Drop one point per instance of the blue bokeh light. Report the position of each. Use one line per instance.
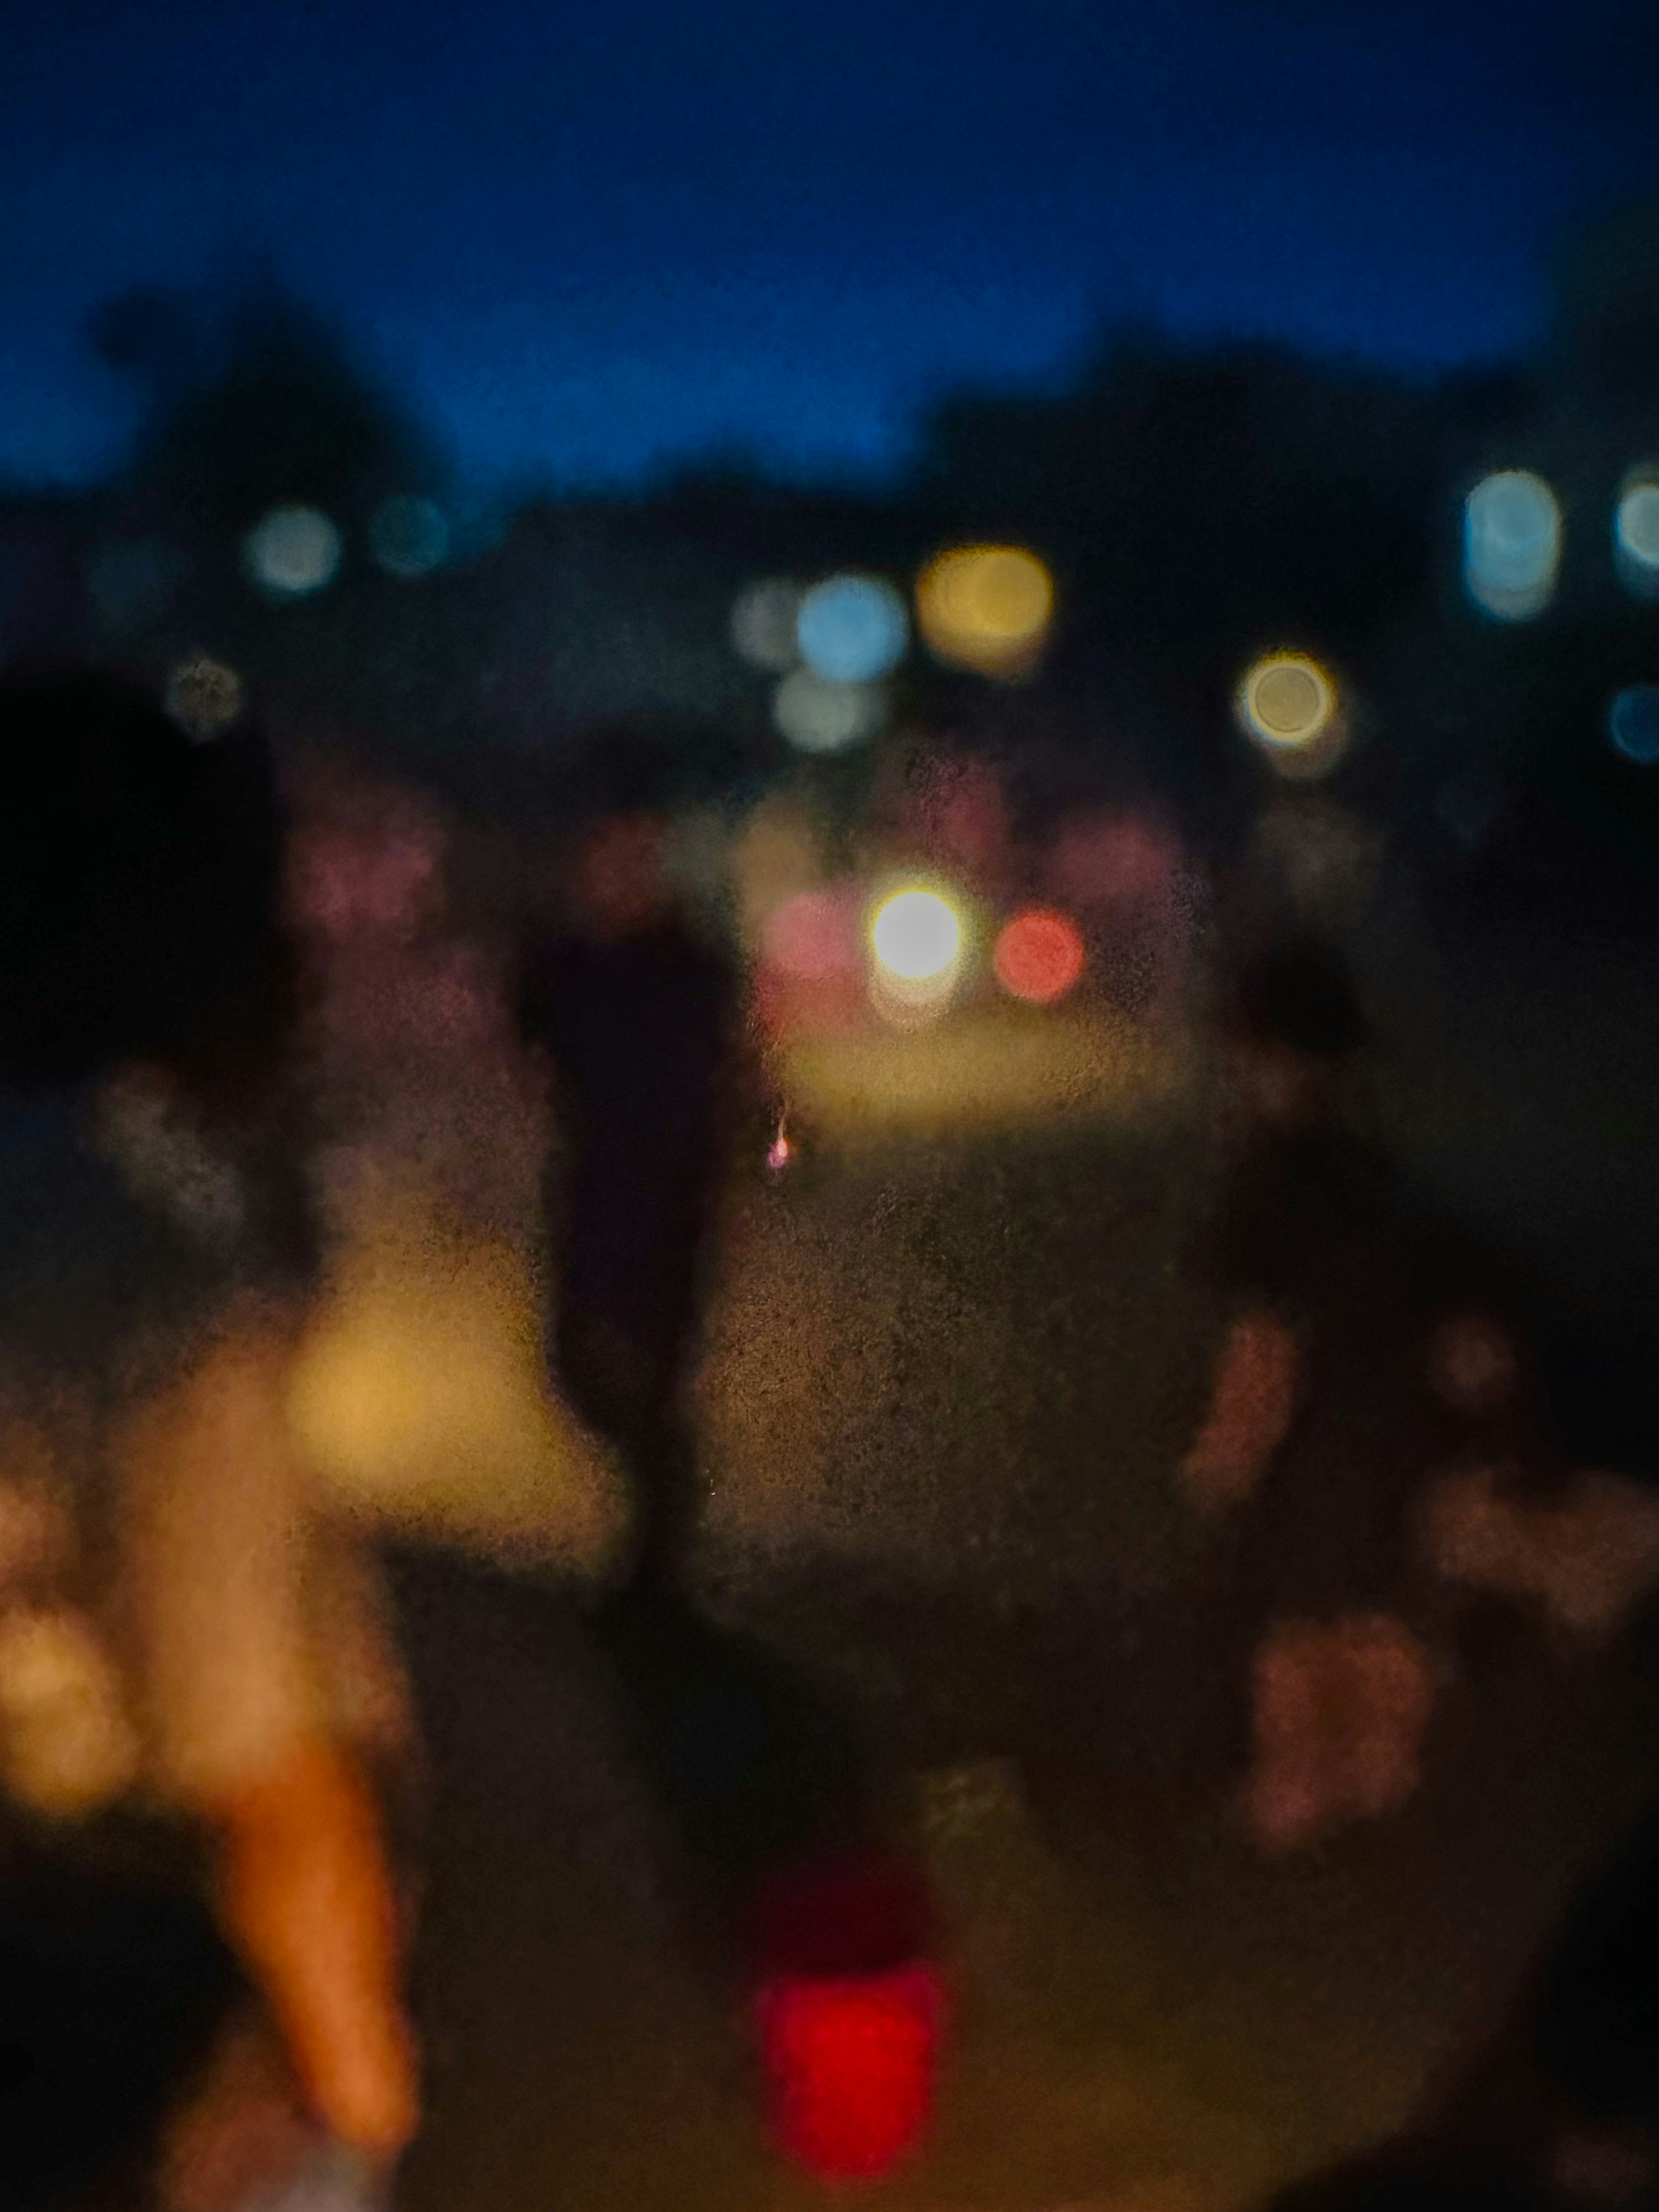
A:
(1512, 545)
(853, 630)
(1633, 723)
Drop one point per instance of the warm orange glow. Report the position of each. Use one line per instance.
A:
(986, 607)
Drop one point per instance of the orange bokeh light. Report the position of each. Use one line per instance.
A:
(1039, 955)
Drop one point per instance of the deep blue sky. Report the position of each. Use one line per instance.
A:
(583, 239)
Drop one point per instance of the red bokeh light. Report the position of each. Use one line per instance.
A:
(851, 2063)
(1039, 955)
(850, 2010)
(810, 973)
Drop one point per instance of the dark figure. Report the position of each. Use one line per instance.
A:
(642, 1019)
(792, 1886)
(1329, 1416)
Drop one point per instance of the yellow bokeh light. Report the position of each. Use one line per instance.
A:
(986, 607)
(1289, 704)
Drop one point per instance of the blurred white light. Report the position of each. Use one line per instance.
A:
(916, 947)
(204, 696)
(916, 936)
(763, 624)
(293, 551)
(1636, 537)
(408, 537)
(852, 628)
(1512, 543)
(819, 716)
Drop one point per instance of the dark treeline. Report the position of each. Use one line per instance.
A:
(1195, 506)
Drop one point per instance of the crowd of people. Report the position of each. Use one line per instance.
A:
(211, 1782)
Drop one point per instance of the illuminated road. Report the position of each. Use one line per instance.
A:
(947, 1376)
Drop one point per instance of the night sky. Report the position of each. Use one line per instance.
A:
(582, 240)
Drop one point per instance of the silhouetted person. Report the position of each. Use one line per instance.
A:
(765, 1777)
(641, 1016)
(1320, 1427)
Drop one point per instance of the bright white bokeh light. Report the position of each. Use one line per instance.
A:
(852, 628)
(764, 618)
(293, 551)
(1636, 537)
(1512, 543)
(916, 937)
(408, 537)
(816, 716)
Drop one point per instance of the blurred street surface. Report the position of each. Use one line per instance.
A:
(949, 1371)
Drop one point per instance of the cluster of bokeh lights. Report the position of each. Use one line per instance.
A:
(832, 645)
(829, 647)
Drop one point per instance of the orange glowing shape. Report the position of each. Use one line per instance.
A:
(851, 2061)
(986, 607)
(1038, 955)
